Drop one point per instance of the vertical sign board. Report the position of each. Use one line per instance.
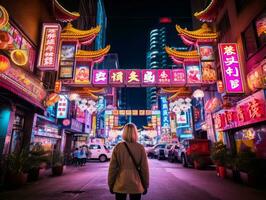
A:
(164, 110)
(48, 59)
(100, 77)
(67, 60)
(133, 78)
(193, 74)
(62, 108)
(231, 68)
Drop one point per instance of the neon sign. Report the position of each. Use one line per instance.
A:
(231, 67)
(62, 108)
(49, 47)
(100, 77)
(164, 110)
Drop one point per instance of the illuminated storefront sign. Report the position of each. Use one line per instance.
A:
(149, 77)
(57, 86)
(220, 86)
(133, 78)
(49, 47)
(178, 77)
(193, 74)
(251, 109)
(116, 77)
(62, 107)
(67, 60)
(231, 67)
(164, 110)
(82, 74)
(100, 77)
(23, 83)
(164, 77)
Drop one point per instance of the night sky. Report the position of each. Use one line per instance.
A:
(128, 27)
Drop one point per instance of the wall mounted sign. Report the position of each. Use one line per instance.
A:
(62, 107)
(67, 60)
(231, 67)
(206, 53)
(193, 74)
(82, 74)
(48, 59)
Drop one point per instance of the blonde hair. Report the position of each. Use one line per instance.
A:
(130, 133)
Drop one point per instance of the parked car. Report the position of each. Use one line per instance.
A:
(99, 151)
(151, 151)
(173, 153)
(162, 152)
(188, 147)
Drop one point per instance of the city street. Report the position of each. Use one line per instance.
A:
(169, 181)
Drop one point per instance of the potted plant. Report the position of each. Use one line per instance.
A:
(17, 164)
(218, 156)
(57, 163)
(198, 161)
(250, 168)
(37, 156)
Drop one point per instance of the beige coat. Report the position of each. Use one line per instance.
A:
(123, 176)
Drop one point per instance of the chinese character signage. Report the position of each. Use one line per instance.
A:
(164, 110)
(206, 53)
(251, 109)
(133, 78)
(67, 60)
(82, 74)
(49, 47)
(116, 77)
(164, 77)
(149, 77)
(62, 108)
(100, 77)
(231, 67)
(178, 77)
(193, 74)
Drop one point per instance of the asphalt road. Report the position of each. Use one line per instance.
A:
(169, 181)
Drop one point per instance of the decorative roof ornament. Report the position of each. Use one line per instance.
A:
(209, 14)
(181, 56)
(85, 37)
(203, 34)
(63, 15)
(95, 56)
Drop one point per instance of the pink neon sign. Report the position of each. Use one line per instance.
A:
(178, 77)
(149, 77)
(100, 77)
(164, 77)
(116, 77)
(231, 67)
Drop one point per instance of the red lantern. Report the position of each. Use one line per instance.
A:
(4, 63)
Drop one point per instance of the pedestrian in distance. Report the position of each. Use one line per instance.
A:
(75, 157)
(82, 157)
(128, 170)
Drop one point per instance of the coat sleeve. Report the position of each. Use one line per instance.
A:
(145, 168)
(113, 170)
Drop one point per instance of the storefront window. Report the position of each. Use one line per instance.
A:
(253, 138)
(254, 37)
